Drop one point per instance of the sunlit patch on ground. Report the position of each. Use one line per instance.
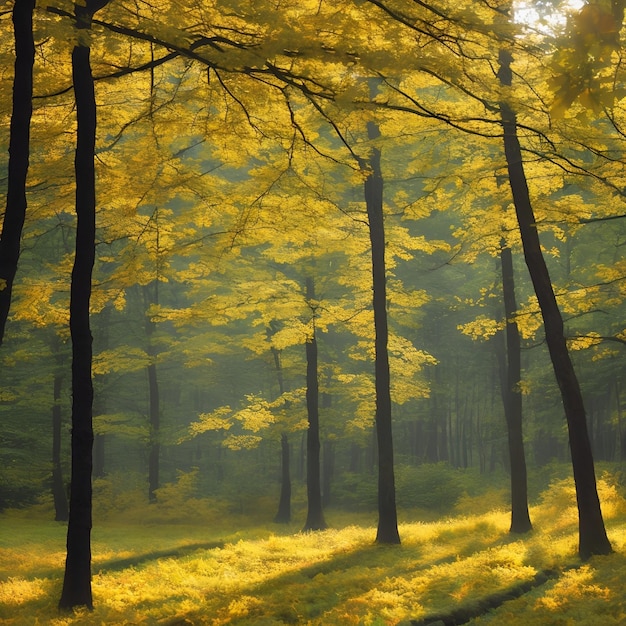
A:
(339, 576)
(17, 591)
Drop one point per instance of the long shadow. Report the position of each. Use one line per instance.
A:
(467, 611)
(115, 565)
(366, 564)
(315, 594)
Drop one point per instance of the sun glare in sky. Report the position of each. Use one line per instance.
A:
(545, 20)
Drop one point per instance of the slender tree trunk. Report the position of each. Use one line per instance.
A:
(77, 580)
(592, 533)
(512, 398)
(387, 531)
(19, 146)
(283, 515)
(315, 516)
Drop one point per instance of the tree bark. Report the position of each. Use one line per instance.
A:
(315, 516)
(592, 533)
(77, 580)
(512, 400)
(387, 531)
(19, 152)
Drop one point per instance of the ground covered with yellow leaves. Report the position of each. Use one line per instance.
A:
(180, 574)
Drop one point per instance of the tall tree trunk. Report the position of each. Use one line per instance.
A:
(19, 147)
(59, 494)
(591, 531)
(315, 516)
(283, 515)
(77, 580)
(387, 531)
(512, 400)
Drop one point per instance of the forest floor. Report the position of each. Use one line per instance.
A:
(460, 568)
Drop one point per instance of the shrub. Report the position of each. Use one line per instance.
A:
(434, 487)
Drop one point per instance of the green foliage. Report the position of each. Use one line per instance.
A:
(433, 487)
(356, 492)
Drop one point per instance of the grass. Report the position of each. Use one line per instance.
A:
(176, 574)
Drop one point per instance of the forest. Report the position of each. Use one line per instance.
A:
(312, 312)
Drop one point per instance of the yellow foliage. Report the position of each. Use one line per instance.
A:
(242, 442)
(482, 327)
(581, 342)
(220, 419)
(123, 359)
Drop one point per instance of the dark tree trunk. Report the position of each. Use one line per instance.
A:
(19, 143)
(77, 580)
(315, 516)
(512, 399)
(283, 515)
(387, 514)
(59, 494)
(592, 533)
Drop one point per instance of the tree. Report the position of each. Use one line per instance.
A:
(77, 580)
(512, 399)
(373, 187)
(315, 516)
(19, 148)
(283, 515)
(592, 533)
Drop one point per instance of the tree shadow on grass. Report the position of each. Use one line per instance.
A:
(305, 594)
(116, 565)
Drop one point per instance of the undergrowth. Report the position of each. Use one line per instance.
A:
(213, 574)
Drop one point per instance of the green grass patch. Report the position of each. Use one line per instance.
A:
(262, 575)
